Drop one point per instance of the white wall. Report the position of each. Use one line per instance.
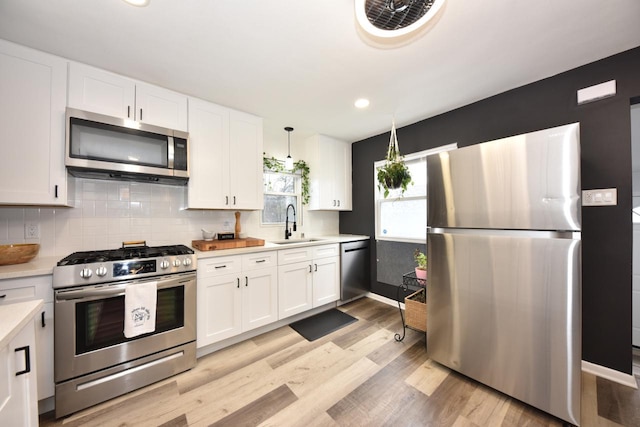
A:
(109, 212)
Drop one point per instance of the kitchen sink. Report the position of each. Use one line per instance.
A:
(292, 241)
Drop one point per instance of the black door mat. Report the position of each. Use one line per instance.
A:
(321, 324)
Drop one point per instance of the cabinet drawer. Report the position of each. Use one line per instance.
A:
(219, 266)
(26, 288)
(259, 260)
(326, 251)
(289, 256)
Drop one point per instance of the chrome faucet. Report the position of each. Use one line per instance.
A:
(287, 232)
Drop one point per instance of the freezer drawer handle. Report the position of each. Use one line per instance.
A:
(27, 360)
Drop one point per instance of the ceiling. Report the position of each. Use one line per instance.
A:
(303, 63)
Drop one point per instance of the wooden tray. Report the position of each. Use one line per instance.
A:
(211, 245)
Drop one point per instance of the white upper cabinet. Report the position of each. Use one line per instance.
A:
(245, 160)
(99, 91)
(330, 173)
(33, 89)
(225, 158)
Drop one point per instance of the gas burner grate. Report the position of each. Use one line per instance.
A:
(89, 257)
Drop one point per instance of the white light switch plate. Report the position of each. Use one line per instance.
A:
(600, 197)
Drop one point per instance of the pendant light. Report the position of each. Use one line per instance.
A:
(288, 163)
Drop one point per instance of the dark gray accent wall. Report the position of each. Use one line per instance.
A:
(605, 135)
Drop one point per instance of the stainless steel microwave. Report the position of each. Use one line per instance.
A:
(105, 147)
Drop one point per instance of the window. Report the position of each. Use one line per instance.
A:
(280, 190)
(404, 219)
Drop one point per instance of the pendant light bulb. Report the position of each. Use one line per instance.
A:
(288, 163)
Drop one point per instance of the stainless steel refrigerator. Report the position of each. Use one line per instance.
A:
(504, 291)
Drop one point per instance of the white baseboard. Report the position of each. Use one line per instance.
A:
(610, 374)
(385, 300)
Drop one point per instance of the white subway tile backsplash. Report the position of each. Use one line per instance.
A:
(106, 213)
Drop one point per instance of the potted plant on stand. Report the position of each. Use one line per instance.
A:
(421, 265)
(395, 173)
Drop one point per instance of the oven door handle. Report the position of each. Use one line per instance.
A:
(109, 291)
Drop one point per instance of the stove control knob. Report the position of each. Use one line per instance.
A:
(101, 271)
(177, 263)
(85, 273)
(164, 264)
(186, 262)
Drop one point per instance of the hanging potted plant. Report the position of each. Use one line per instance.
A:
(394, 174)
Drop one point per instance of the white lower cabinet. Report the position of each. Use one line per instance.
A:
(18, 383)
(28, 289)
(235, 294)
(308, 277)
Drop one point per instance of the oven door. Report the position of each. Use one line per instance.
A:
(89, 325)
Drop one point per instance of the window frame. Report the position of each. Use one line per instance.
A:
(379, 198)
(298, 195)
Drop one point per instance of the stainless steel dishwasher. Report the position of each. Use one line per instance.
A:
(355, 271)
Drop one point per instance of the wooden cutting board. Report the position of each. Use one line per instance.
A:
(211, 245)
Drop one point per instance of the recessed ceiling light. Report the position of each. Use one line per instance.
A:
(361, 103)
(137, 2)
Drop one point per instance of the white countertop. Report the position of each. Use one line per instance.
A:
(270, 246)
(44, 265)
(40, 266)
(13, 317)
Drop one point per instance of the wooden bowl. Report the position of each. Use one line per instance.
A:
(18, 254)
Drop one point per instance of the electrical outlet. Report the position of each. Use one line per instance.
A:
(600, 197)
(32, 231)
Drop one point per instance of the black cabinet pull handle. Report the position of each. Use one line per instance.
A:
(128, 111)
(42, 320)
(316, 267)
(27, 360)
(226, 200)
(221, 266)
(234, 200)
(238, 281)
(309, 268)
(261, 260)
(55, 190)
(141, 114)
(3, 296)
(246, 280)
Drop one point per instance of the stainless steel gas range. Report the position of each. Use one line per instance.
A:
(94, 361)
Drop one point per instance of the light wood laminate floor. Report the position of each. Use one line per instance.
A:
(356, 376)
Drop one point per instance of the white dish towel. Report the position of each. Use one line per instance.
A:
(140, 308)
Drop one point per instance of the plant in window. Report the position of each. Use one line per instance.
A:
(394, 174)
(275, 165)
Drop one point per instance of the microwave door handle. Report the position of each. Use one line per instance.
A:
(171, 152)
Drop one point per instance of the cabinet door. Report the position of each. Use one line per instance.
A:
(208, 154)
(99, 91)
(161, 107)
(294, 289)
(44, 354)
(342, 175)
(330, 173)
(259, 298)
(245, 161)
(219, 308)
(32, 106)
(326, 280)
(18, 397)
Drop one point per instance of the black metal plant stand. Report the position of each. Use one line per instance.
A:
(409, 280)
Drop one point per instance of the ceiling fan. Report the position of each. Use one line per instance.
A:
(394, 18)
